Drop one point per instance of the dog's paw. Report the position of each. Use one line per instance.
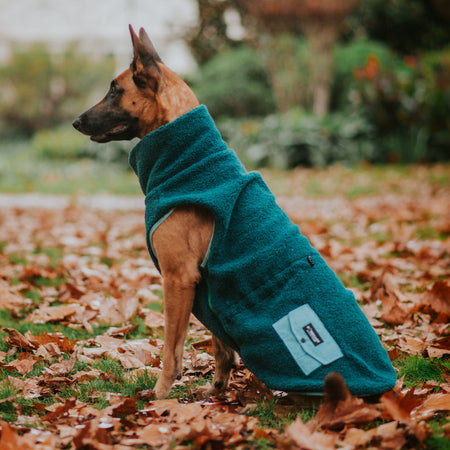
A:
(162, 388)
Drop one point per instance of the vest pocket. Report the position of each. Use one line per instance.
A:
(307, 339)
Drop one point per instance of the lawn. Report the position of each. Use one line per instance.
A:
(81, 314)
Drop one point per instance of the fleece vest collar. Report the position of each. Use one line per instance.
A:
(264, 291)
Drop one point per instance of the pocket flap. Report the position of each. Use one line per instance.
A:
(307, 339)
(312, 335)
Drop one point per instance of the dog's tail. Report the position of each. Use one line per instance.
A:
(335, 390)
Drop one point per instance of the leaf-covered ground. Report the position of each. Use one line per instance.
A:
(82, 327)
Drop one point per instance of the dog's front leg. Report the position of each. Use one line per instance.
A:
(179, 292)
(180, 244)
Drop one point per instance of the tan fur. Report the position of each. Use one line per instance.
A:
(173, 99)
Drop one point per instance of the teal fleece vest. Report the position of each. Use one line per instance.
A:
(264, 291)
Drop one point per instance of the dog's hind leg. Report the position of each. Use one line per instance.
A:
(226, 360)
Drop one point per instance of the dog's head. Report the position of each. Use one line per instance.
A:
(141, 99)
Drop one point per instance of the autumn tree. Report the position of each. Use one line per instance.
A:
(320, 21)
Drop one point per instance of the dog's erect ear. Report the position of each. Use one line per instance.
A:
(146, 73)
(143, 36)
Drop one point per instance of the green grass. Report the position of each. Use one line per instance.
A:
(7, 321)
(266, 413)
(7, 409)
(116, 381)
(417, 369)
(185, 392)
(22, 169)
(430, 233)
(437, 440)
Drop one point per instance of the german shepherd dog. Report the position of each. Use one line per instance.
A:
(142, 99)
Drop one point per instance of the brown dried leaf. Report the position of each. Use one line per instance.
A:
(22, 366)
(125, 407)
(16, 339)
(434, 403)
(94, 435)
(388, 436)
(62, 367)
(61, 411)
(436, 300)
(392, 311)
(131, 354)
(154, 319)
(64, 344)
(398, 406)
(10, 299)
(11, 441)
(122, 331)
(156, 435)
(46, 313)
(301, 437)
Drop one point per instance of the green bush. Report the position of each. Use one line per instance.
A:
(234, 83)
(64, 142)
(300, 138)
(348, 57)
(59, 143)
(40, 90)
(407, 100)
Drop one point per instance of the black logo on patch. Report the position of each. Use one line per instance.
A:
(313, 335)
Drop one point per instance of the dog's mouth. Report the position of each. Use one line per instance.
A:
(116, 133)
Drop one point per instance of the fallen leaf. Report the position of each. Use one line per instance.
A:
(436, 299)
(63, 343)
(10, 299)
(154, 319)
(398, 406)
(301, 437)
(61, 411)
(16, 339)
(46, 313)
(9, 440)
(388, 436)
(434, 403)
(63, 367)
(22, 366)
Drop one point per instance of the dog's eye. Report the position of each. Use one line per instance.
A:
(113, 90)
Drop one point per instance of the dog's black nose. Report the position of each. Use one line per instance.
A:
(77, 123)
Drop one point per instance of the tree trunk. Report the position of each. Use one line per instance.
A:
(321, 36)
(279, 55)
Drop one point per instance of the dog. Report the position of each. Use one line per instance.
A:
(226, 251)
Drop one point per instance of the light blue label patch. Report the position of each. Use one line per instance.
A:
(307, 339)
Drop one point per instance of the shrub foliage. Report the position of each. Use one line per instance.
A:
(39, 89)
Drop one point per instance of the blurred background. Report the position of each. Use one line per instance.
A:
(289, 82)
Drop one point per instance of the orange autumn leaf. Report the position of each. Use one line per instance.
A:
(398, 406)
(61, 411)
(9, 440)
(436, 300)
(23, 366)
(62, 367)
(299, 436)
(17, 339)
(64, 344)
(434, 403)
